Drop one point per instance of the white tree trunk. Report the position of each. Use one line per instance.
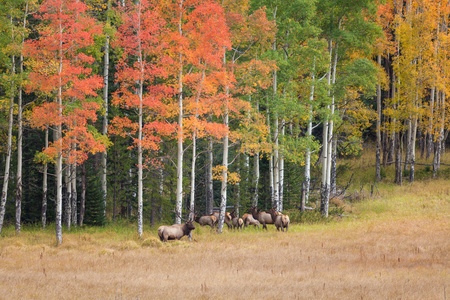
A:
(20, 133)
(9, 147)
(224, 185)
(331, 126)
(223, 188)
(271, 188)
(179, 193)
(408, 143)
(309, 137)
(413, 150)
(256, 173)
(73, 183)
(58, 171)
(326, 164)
(276, 167)
(140, 175)
(58, 139)
(440, 99)
(161, 191)
(83, 193)
(105, 116)
(276, 158)
(19, 156)
(209, 186)
(194, 159)
(324, 188)
(140, 162)
(44, 187)
(194, 149)
(68, 196)
(378, 129)
(281, 185)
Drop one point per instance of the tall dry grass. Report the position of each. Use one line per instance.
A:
(394, 245)
(401, 259)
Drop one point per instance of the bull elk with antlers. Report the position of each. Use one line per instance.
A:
(176, 231)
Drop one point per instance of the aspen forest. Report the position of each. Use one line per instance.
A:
(224, 149)
(154, 111)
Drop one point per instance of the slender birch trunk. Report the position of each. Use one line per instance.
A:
(440, 99)
(309, 138)
(194, 150)
(256, 176)
(398, 158)
(140, 162)
(281, 185)
(160, 192)
(209, 185)
(68, 196)
(140, 166)
(223, 188)
(333, 167)
(73, 183)
(83, 193)
(276, 168)
(194, 159)
(9, 144)
(238, 188)
(271, 183)
(44, 187)
(256, 172)
(179, 193)
(276, 158)
(408, 143)
(224, 185)
(397, 136)
(331, 138)
(430, 143)
(58, 171)
(20, 133)
(19, 154)
(413, 150)
(378, 129)
(105, 116)
(58, 140)
(325, 193)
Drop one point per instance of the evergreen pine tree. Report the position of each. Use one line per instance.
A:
(95, 205)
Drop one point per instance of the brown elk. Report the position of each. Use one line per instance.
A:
(281, 221)
(249, 220)
(263, 217)
(227, 218)
(175, 231)
(236, 221)
(210, 220)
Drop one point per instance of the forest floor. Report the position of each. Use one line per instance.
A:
(392, 245)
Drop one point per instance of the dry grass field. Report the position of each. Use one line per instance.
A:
(393, 246)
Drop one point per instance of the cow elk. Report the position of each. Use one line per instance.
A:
(227, 218)
(249, 220)
(281, 221)
(210, 220)
(263, 217)
(236, 221)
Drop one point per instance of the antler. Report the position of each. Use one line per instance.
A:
(183, 219)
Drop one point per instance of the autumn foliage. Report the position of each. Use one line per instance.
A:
(61, 75)
(143, 60)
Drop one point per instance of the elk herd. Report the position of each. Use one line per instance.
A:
(255, 217)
